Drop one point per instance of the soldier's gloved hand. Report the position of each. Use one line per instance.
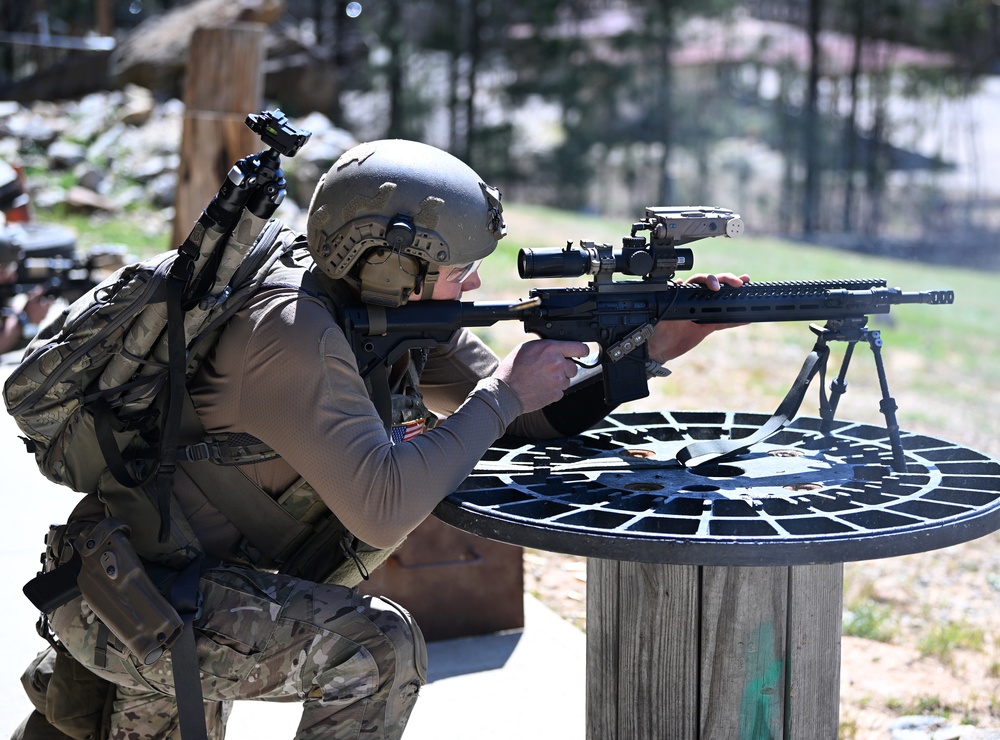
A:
(539, 371)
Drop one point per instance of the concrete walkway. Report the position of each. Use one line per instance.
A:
(526, 684)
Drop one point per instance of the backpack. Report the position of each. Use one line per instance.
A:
(104, 412)
(99, 391)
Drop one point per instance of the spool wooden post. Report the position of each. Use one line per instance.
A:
(713, 653)
(222, 84)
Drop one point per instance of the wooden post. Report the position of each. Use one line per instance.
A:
(104, 18)
(713, 653)
(223, 83)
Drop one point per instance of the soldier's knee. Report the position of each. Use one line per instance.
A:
(406, 639)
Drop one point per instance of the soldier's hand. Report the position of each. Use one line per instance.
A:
(540, 371)
(37, 306)
(673, 338)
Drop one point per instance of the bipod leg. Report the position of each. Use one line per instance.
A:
(838, 387)
(888, 404)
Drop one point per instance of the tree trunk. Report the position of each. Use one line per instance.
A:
(851, 125)
(475, 54)
(394, 42)
(810, 205)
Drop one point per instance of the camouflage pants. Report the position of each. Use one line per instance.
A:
(356, 662)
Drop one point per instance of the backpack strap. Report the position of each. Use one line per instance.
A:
(227, 449)
(176, 390)
(106, 423)
(185, 597)
(269, 529)
(297, 533)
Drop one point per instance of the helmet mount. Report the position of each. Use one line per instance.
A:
(400, 232)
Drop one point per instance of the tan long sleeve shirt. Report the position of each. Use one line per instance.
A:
(283, 372)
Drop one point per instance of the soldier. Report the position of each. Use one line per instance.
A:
(391, 222)
(18, 325)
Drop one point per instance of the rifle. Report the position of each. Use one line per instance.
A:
(618, 315)
(60, 277)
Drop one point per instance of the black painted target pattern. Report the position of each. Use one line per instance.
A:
(801, 497)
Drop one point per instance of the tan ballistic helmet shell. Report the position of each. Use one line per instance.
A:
(397, 209)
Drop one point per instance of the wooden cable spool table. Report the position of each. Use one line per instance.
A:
(715, 593)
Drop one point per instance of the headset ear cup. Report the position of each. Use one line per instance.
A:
(388, 278)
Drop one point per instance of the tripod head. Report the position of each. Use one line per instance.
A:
(274, 130)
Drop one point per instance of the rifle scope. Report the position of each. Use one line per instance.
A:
(668, 228)
(634, 258)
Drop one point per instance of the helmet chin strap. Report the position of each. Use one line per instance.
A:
(426, 283)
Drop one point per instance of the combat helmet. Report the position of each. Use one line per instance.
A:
(390, 214)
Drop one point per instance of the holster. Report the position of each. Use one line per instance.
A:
(116, 586)
(102, 565)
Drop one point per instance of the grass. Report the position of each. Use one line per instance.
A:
(920, 705)
(942, 640)
(138, 231)
(765, 258)
(868, 619)
(848, 730)
(933, 706)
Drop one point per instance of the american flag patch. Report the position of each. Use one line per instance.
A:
(409, 430)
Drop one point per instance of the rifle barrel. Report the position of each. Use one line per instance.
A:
(754, 302)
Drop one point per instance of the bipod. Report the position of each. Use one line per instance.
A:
(853, 331)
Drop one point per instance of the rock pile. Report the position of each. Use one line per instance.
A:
(118, 151)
